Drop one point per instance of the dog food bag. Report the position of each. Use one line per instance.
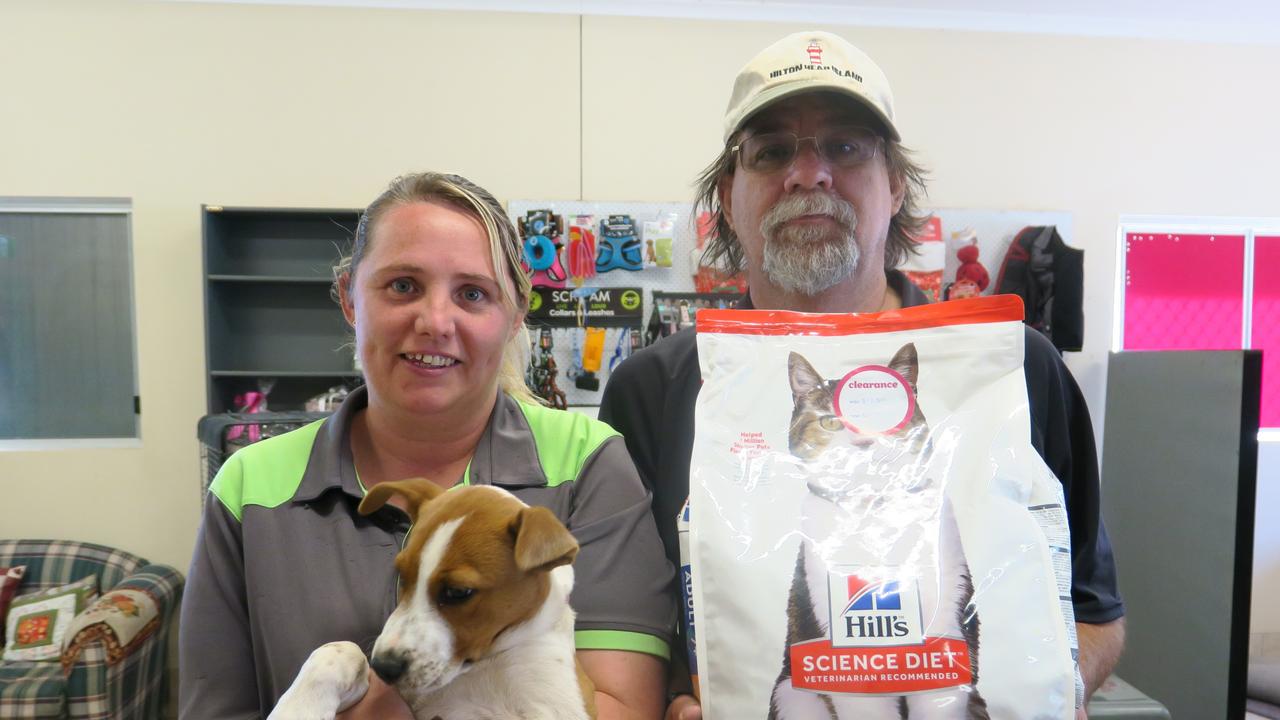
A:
(872, 534)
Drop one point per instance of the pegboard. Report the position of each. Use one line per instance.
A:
(994, 228)
(677, 278)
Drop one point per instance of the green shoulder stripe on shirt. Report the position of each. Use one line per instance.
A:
(266, 473)
(621, 640)
(565, 440)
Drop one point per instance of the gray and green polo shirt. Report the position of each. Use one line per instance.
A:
(284, 563)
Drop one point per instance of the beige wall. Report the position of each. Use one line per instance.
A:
(174, 105)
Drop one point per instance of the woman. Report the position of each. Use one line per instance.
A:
(436, 294)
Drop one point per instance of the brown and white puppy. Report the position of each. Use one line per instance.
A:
(483, 627)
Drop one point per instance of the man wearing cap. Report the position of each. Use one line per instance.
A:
(814, 197)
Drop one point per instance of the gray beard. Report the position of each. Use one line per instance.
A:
(806, 260)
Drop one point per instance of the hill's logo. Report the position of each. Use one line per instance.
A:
(873, 613)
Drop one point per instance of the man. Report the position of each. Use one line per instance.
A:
(816, 200)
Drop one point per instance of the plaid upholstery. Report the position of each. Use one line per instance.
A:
(136, 686)
(32, 690)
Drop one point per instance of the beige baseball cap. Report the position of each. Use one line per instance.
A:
(808, 62)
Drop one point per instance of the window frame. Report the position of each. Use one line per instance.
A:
(1249, 227)
(11, 205)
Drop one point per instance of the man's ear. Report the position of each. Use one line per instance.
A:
(724, 190)
(897, 189)
(345, 298)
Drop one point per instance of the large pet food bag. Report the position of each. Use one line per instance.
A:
(872, 534)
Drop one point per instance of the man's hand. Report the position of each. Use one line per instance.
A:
(684, 707)
(382, 702)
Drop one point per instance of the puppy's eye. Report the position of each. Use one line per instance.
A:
(830, 422)
(450, 595)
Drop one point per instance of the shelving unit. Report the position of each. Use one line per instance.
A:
(269, 318)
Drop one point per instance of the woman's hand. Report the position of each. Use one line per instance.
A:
(381, 702)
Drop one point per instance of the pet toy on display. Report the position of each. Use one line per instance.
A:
(592, 353)
(628, 343)
(249, 402)
(542, 373)
(619, 246)
(575, 355)
(926, 267)
(581, 253)
(541, 230)
(659, 238)
(706, 277)
(971, 277)
(663, 322)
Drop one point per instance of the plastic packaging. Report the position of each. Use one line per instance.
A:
(872, 533)
(686, 595)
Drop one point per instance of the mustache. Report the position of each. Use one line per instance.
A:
(812, 203)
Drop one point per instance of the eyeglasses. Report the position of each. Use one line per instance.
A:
(846, 146)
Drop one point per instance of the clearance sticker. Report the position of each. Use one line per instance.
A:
(874, 400)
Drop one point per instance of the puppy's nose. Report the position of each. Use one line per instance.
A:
(389, 666)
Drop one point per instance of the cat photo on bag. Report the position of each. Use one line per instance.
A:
(869, 522)
(875, 487)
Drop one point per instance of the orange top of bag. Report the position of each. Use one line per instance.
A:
(969, 311)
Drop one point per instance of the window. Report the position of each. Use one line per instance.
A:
(67, 357)
(1203, 285)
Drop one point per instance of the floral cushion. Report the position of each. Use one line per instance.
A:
(37, 624)
(121, 619)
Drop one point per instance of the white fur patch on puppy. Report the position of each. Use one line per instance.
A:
(416, 636)
(334, 677)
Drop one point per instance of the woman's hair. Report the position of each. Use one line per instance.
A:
(724, 250)
(504, 247)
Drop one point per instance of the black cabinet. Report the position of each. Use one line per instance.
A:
(270, 323)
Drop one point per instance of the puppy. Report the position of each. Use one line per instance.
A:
(482, 630)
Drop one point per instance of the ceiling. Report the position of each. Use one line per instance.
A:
(1232, 21)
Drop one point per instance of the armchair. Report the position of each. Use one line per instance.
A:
(110, 669)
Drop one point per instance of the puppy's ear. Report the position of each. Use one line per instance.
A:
(415, 490)
(542, 541)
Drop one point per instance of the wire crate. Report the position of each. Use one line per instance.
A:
(222, 434)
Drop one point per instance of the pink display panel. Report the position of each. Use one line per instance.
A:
(1266, 323)
(1183, 292)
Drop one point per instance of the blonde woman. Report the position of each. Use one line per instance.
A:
(436, 295)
